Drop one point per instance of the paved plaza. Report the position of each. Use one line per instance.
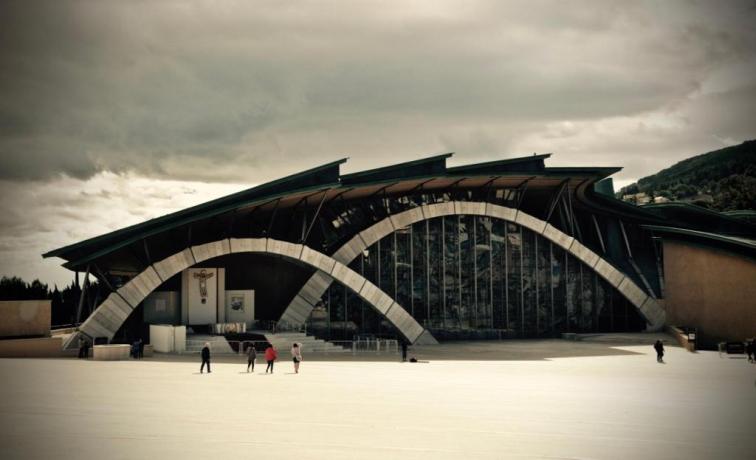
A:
(540, 399)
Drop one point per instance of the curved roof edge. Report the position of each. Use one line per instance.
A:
(733, 243)
(328, 176)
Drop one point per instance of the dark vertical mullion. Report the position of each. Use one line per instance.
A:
(490, 275)
(566, 292)
(522, 285)
(506, 275)
(581, 304)
(378, 264)
(396, 271)
(551, 285)
(412, 270)
(475, 270)
(362, 303)
(427, 271)
(443, 270)
(537, 305)
(459, 266)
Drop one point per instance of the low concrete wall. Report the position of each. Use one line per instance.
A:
(44, 347)
(167, 338)
(24, 318)
(111, 352)
(681, 337)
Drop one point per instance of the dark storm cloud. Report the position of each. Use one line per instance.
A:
(115, 112)
(181, 89)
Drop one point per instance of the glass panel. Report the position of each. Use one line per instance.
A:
(337, 310)
(559, 288)
(354, 306)
(387, 265)
(404, 268)
(544, 312)
(514, 281)
(483, 273)
(572, 297)
(586, 299)
(529, 283)
(451, 272)
(603, 307)
(459, 273)
(419, 275)
(436, 270)
(498, 234)
(467, 271)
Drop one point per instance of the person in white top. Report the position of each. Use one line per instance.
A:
(296, 355)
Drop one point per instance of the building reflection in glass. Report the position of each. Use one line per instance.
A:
(474, 277)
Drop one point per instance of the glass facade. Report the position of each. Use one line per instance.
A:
(474, 277)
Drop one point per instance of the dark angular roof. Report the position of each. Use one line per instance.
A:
(327, 177)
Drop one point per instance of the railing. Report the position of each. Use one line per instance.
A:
(240, 347)
(369, 345)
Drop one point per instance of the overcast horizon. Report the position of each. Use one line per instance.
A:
(112, 113)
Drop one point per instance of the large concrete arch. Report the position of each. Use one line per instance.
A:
(110, 315)
(302, 304)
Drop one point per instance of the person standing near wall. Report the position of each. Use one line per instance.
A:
(251, 356)
(270, 356)
(659, 347)
(82, 345)
(205, 357)
(296, 356)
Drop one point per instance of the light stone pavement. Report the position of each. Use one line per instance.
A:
(616, 404)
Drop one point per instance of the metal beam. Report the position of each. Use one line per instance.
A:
(556, 198)
(272, 218)
(146, 251)
(522, 188)
(317, 212)
(598, 233)
(82, 293)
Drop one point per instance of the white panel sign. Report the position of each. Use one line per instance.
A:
(202, 293)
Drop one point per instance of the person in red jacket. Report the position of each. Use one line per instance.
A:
(270, 356)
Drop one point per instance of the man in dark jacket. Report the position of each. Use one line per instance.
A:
(659, 347)
(205, 358)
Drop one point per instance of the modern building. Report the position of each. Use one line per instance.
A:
(426, 252)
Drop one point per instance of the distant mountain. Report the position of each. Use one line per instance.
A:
(722, 180)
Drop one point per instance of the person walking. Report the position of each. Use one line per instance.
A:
(750, 350)
(270, 356)
(296, 356)
(140, 349)
(251, 356)
(404, 351)
(659, 347)
(205, 357)
(82, 347)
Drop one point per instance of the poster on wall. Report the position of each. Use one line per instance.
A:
(236, 303)
(202, 295)
(240, 306)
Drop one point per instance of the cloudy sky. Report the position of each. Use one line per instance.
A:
(115, 112)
